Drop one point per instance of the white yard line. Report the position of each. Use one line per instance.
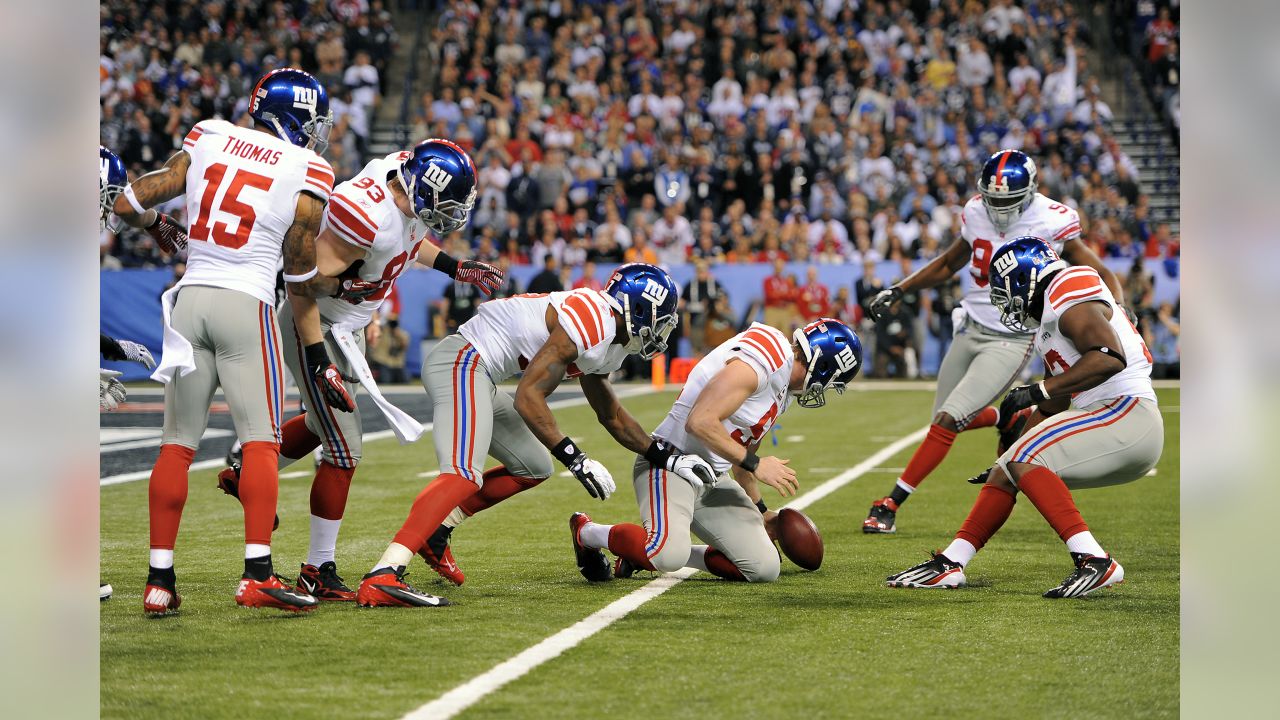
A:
(474, 690)
(622, 392)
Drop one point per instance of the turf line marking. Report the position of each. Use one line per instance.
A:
(377, 435)
(477, 688)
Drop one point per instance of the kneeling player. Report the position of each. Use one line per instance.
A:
(1096, 422)
(731, 400)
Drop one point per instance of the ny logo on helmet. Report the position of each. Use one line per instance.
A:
(437, 177)
(305, 97)
(653, 291)
(105, 169)
(846, 360)
(1005, 264)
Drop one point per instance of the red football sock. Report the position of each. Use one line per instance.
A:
(989, 512)
(929, 455)
(296, 439)
(329, 491)
(721, 566)
(499, 484)
(259, 490)
(627, 540)
(167, 493)
(1051, 497)
(432, 506)
(986, 417)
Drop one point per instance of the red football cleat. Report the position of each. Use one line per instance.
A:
(229, 483)
(386, 587)
(440, 558)
(273, 593)
(158, 600)
(323, 582)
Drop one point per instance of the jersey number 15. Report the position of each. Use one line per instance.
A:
(214, 177)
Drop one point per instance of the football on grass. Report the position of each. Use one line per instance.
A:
(799, 539)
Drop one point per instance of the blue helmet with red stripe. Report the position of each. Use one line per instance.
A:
(112, 179)
(1019, 274)
(832, 354)
(440, 179)
(1007, 184)
(647, 297)
(293, 105)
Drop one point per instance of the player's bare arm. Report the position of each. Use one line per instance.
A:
(1088, 327)
(934, 273)
(1077, 252)
(151, 189)
(545, 373)
(624, 428)
(300, 262)
(722, 396)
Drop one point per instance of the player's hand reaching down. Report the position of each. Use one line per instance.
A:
(168, 234)
(127, 351)
(483, 275)
(774, 472)
(328, 379)
(884, 300)
(594, 476)
(111, 391)
(694, 470)
(357, 291)
(1023, 396)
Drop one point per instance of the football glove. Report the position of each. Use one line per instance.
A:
(594, 476)
(167, 233)
(981, 478)
(1023, 396)
(126, 350)
(483, 275)
(111, 391)
(694, 470)
(883, 300)
(357, 291)
(328, 379)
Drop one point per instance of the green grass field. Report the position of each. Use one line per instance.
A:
(833, 643)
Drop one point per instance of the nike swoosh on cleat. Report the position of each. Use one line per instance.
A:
(308, 584)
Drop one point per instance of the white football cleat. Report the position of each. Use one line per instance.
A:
(937, 572)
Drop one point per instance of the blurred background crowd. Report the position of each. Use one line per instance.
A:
(842, 132)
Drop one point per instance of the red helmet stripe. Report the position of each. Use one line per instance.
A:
(1000, 168)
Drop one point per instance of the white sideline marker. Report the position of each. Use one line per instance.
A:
(474, 690)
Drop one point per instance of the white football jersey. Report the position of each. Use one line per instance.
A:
(510, 331)
(362, 213)
(242, 193)
(767, 351)
(1069, 288)
(1052, 222)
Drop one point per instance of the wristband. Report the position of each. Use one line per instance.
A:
(1044, 394)
(445, 264)
(658, 454)
(750, 462)
(303, 277)
(133, 200)
(567, 453)
(1108, 352)
(762, 507)
(316, 355)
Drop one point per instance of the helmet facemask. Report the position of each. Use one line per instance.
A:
(647, 340)
(316, 131)
(813, 393)
(107, 195)
(442, 216)
(1005, 207)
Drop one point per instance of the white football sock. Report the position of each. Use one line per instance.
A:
(905, 486)
(1083, 542)
(324, 540)
(455, 518)
(254, 550)
(698, 558)
(595, 535)
(396, 555)
(161, 559)
(960, 551)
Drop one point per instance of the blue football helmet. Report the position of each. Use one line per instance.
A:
(1018, 274)
(294, 105)
(647, 297)
(440, 179)
(832, 354)
(112, 179)
(1007, 184)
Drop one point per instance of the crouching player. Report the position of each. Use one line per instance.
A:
(731, 400)
(1096, 422)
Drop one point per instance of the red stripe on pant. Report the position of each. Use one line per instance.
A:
(1028, 439)
(1091, 426)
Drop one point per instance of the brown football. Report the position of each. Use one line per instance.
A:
(799, 539)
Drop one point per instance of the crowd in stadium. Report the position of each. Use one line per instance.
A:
(837, 131)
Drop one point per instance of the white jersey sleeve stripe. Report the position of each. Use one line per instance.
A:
(350, 221)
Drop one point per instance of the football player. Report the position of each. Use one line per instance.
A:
(252, 194)
(375, 225)
(985, 357)
(1095, 420)
(732, 398)
(583, 334)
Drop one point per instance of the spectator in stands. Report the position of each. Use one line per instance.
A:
(548, 280)
(362, 79)
(460, 303)
(813, 299)
(672, 236)
(1161, 335)
(640, 251)
(696, 301)
(895, 354)
(588, 277)
(387, 355)
(779, 299)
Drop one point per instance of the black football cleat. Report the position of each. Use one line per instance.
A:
(591, 561)
(936, 572)
(440, 558)
(386, 587)
(1091, 573)
(881, 519)
(622, 568)
(981, 478)
(323, 583)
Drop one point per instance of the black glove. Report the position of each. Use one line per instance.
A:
(981, 478)
(1023, 396)
(1012, 430)
(328, 378)
(356, 291)
(882, 301)
(167, 233)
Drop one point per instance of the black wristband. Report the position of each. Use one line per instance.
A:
(750, 462)
(567, 453)
(762, 507)
(316, 356)
(110, 348)
(658, 454)
(445, 264)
